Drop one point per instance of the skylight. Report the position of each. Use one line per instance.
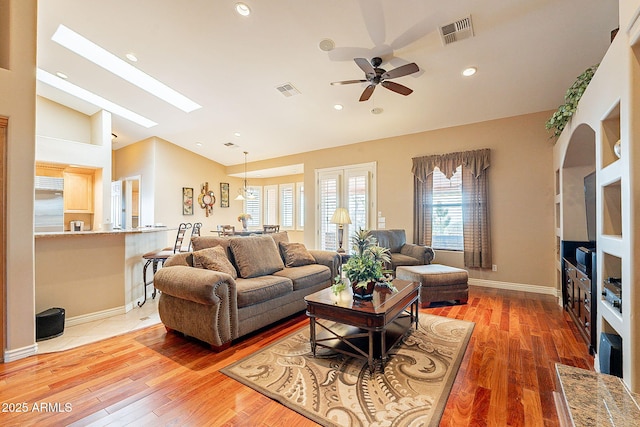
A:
(110, 62)
(92, 98)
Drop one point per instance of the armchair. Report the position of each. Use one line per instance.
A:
(403, 253)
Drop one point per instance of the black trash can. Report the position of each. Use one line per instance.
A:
(49, 323)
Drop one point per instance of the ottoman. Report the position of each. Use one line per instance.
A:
(438, 282)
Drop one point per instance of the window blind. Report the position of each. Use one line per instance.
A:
(447, 211)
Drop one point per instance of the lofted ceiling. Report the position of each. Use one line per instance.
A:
(527, 52)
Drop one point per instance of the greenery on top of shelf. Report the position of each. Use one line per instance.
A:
(561, 117)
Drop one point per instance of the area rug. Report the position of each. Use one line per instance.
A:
(337, 390)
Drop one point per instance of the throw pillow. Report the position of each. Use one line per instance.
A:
(296, 254)
(279, 237)
(214, 259)
(256, 256)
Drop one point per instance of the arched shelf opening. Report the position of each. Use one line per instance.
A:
(579, 161)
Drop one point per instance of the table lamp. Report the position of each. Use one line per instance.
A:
(340, 217)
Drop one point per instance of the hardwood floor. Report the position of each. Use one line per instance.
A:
(153, 378)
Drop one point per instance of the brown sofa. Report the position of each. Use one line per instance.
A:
(403, 253)
(243, 284)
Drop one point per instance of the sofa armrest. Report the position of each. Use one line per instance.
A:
(199, 303)
(329, 258)
(196, 284)
(423, 253)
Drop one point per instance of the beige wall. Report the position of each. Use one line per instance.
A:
(165, 169)
(82, 274)
(17, 86)
(60, 122)
(521, 186)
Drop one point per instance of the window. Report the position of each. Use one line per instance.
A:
(357, 197)
(446, 219)
(300, 204)
(287, 204)
(328, 194)
(351, 187)
(271, 204)
(254, 207)
(462, 200)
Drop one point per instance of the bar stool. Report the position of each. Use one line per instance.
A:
(159, 257)
(195, 232)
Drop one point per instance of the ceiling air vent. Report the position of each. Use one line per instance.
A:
(456, 31)
(229, 144)
(288, 90)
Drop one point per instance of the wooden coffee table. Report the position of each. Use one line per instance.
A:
(363, 329)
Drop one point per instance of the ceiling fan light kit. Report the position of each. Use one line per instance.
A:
(379, 76)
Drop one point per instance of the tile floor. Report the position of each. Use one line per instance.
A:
(74, 336)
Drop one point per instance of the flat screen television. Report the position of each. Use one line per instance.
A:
(590, 205)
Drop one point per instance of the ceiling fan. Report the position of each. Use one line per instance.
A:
(375, 76)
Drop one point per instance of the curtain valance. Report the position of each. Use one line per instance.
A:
(476, 161)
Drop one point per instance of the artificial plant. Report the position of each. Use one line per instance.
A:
(561, 117)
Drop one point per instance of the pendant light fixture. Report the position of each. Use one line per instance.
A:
(244, 192)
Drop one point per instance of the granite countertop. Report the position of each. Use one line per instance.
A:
(595, 399)
(101, 232)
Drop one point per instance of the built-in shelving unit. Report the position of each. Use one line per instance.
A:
(612, 233)
(610, 136)
(608, 116)
(612, 209)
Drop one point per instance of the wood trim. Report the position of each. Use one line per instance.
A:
(4, 124)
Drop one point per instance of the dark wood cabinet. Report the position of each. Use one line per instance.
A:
(578, 293)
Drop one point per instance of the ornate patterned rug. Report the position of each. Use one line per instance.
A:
(337, 390)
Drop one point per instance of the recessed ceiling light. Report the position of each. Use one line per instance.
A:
(62, 75)
(326, 45)
(377, 110)
(236, 134)
(338, 107)
(92, 98)
(199, 144)
(105, 59)
(469, 71)
(243, 9)
(131, 57)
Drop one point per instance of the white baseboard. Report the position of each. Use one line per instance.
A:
(537, 289)
(98, 315)
(20, 353)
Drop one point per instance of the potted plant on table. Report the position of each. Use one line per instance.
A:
(365, 267)
(243, 218)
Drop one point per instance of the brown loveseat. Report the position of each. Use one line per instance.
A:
(243, 284)
(403, 253)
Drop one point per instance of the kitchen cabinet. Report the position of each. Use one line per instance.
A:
(78, 192)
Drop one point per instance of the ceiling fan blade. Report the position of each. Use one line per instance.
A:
(401, 71)
(347, 82)
(398, 88)
(367, 93)
(365, 66)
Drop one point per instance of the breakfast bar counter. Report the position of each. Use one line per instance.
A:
(93, 274)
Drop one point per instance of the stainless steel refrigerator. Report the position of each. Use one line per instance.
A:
(49, 204)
